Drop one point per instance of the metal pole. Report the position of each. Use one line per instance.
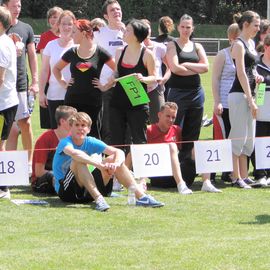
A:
(268, 9)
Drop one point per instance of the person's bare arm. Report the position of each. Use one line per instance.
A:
(33, 64)
(218, 66)
(2, 75)
(172, 60)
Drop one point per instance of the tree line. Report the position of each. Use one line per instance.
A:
(203, 11)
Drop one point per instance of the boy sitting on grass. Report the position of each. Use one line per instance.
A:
(73, 180)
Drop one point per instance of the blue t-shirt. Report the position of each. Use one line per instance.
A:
(61, 161)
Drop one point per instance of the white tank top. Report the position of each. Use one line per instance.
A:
(227, 78)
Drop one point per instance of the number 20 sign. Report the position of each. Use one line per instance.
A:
(14, 168)
(213, 156)
(151, 160)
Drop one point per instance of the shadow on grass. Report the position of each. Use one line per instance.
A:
(196, 186)
(23, 192)
(260, 220)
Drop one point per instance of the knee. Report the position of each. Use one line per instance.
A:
(77, 166)
(24, 124)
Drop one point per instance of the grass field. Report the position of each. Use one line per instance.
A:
(226, 231)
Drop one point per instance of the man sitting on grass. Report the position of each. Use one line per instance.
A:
(73, 180)
(42, 179)
(165, 131)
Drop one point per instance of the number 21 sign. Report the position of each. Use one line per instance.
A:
(213, 156)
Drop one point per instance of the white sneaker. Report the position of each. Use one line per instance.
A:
(262, 181)
(5, 194)
(268, 181)
(209, 187)
(183, 189)
(241, 183)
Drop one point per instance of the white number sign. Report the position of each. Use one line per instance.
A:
(14, 168)
(213, 156)
(151, 160)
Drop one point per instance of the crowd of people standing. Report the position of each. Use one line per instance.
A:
(81, 62)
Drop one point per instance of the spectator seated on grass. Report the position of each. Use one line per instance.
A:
(165, 131)
(73, 180)
(42, 178)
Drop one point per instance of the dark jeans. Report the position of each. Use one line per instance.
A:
(105, 117)
(52, 106)
(44, 114)
(93, 112)
(136, 120)
(189, 116)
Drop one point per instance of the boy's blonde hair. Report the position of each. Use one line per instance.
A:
(80, 117)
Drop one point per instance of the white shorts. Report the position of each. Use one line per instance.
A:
(23, 110)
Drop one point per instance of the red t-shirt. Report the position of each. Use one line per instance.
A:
(48, 142)
(44, 39)
(155, 135)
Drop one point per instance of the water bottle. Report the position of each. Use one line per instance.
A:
(31, 101)
(131, 195)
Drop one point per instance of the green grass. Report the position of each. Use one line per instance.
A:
(202, 231)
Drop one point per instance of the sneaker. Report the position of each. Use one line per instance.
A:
(116, 185)
(148, 201)
(5, 194)
(241, 184)
(268, 181)
(209, 187)
(183, 189)
(262, 181)
(207, 122)
(248, 181)
(101, 205)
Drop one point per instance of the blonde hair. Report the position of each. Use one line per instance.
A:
(98, 23)
(169, 105)
(52, 11)
(67, 13)
(166, 25)
(80, 117)
(5, 17)
(233, 31)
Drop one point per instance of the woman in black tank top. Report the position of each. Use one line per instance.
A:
(242, 106)
(134, 58)
(187, 60)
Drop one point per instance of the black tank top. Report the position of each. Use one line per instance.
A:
(251, 61)
(119, 97)
(185, 82)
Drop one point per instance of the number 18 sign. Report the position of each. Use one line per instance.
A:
(14, 168)
(151, 160)
(213, 156)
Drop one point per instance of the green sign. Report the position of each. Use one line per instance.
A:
(2, 120)
(260, 94)
(134, 90)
